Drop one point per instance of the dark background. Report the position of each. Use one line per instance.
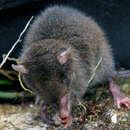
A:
(112, 15)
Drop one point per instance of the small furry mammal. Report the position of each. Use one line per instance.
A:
(61, 49)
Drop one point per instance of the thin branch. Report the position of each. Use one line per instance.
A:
(8, 73)
(94, 71)
(10, 58)
(18, 40)
(21, 83)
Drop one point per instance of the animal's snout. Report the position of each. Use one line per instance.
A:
(64, 116)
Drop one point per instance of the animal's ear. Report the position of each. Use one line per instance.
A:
(19, 68)
(63, 56)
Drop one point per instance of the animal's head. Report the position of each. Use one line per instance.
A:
(48, 64)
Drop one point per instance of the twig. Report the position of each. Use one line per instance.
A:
(16, 128)
(83, 106)
(21, 83)
(94, 71)
(18, 40)
(10, 58)
(7, 73)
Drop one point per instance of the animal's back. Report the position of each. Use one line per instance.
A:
(81, 32)
(61, 23)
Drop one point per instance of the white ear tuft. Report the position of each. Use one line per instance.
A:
(19, 68)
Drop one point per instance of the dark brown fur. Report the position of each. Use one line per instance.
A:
(54, 31)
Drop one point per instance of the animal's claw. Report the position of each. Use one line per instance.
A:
(67, 122)
(122, 100)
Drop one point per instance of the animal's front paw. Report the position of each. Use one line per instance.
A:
(66, 121)
(122, 100)
(57, 119)
(44, 115)
(119, 98)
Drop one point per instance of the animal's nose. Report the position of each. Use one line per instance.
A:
(64, 116)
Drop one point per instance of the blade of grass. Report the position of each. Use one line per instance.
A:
(10, 95)
(5, 82)
(7, 95)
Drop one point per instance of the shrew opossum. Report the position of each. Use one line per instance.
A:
(61, 49)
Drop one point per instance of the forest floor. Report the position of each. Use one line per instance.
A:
(98, 112)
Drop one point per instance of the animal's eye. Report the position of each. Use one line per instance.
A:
(63, 78)
(64, 81)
